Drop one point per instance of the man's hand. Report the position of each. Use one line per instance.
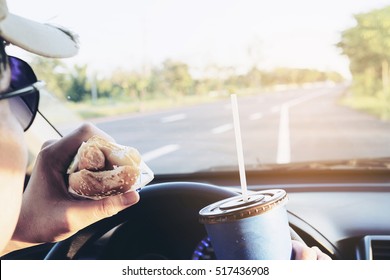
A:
(49, 213)
(302, 252)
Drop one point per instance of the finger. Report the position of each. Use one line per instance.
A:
(320, 254)
(91, 211)
(63, 151)
(48, 143)
(112, 205)
(302, 252)
(308, 254)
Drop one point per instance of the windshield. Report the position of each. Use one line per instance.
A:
(312, 78)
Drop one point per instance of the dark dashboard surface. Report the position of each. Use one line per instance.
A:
(332, 209)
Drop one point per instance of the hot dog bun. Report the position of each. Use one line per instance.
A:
(102, 168)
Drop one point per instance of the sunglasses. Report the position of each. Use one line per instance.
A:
(23, 92)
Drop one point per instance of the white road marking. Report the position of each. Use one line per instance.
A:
(284, 153)
(162, 151)
(255, 116)
(173, 118)
(222, 128)
(284, 145)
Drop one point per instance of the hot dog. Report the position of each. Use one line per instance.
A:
(102, 168)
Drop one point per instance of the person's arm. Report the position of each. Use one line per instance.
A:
(13, 162)
(49, 213)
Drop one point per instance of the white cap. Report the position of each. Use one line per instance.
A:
(39, 38)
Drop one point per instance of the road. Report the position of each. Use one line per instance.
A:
(279, 127)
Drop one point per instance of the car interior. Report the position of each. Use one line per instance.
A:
(344, 212)
(314, 115)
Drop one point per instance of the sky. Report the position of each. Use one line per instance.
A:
(235, 34)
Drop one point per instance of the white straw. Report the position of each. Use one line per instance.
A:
(240, 153)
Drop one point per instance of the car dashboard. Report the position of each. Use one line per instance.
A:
(343, 212)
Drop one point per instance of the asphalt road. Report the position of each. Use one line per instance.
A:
(281, 127)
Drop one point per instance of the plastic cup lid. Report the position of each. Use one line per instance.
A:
(235, 208)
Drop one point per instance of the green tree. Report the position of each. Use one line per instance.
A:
(254, 78)
(176, 79)
(79, 88)
(367, 46)
(55, 74)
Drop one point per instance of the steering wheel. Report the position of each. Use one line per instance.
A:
(162, 225)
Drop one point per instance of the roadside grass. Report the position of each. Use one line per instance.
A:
(377, 106)
(105, 107)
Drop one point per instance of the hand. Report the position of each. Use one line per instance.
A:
(302, 252)
(49, 213)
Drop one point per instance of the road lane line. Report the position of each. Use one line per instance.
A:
(284, 145)
(222, 128)
(162, 151)
(174, 118)
(284, 153)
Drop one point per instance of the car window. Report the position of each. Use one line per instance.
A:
(312, 79)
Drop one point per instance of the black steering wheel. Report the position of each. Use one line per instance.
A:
(162, 225)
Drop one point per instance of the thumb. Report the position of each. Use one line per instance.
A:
(113, 204)
(94, 211)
